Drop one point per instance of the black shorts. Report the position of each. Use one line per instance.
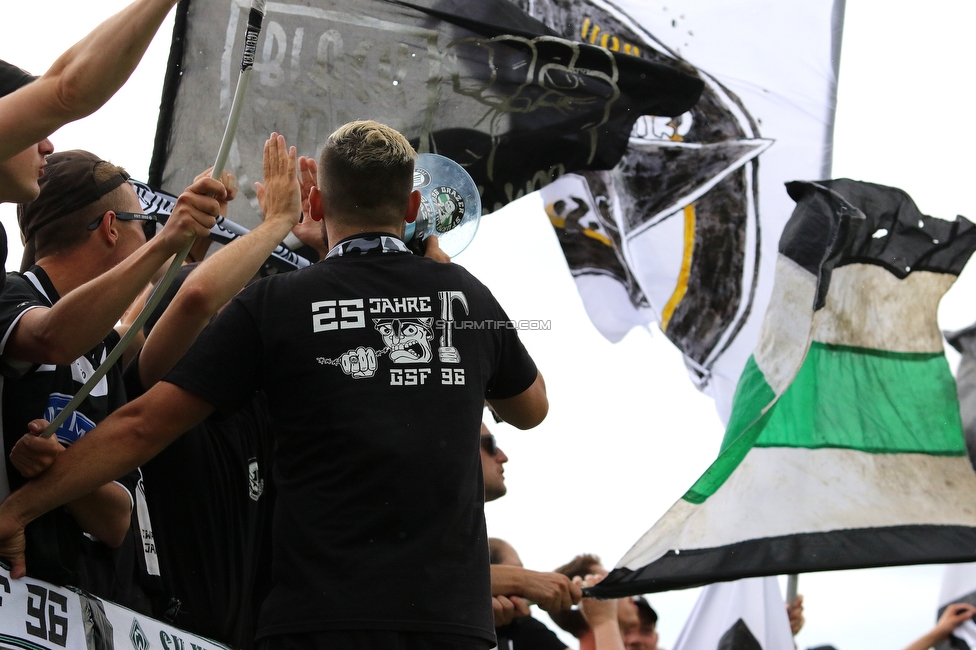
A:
(371, 640)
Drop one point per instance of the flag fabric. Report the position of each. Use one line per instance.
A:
(964, 341)
(742, 615)
(482, 83)
(844, 448)
(958, 586)
(682, 232)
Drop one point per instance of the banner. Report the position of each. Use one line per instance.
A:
(36, 615)
(682, 233)
(482, 83)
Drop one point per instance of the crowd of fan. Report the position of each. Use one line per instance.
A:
(187, 537)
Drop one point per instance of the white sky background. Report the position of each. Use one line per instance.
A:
(627, 433)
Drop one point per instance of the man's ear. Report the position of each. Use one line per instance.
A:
(315, 204)
(412, 208)
(108, 228)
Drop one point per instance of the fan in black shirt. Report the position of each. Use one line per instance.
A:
(376, 364)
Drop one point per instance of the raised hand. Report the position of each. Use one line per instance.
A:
(194, 214)
(280, 194)
(230, 185)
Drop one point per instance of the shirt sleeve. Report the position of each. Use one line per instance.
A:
(514, 370)
(131, 380)
(223, 367)
(16, 300)
(129, 482)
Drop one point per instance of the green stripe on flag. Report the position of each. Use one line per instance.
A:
(752, 395)
(873, 401)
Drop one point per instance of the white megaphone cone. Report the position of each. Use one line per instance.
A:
(450, 205)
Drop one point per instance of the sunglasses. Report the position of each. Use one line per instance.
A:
(489, 444)
(148, 226)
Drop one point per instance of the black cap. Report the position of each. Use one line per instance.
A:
(68, 184)
(12, 78)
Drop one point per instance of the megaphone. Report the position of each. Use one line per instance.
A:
(450, 205)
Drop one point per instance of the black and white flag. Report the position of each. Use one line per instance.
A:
(742, 615)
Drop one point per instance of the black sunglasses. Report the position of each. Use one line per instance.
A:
(148, 226)
(489, 444)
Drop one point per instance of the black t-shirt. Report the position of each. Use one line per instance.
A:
(210, 498)
(3, 258)
(376, 364)
(528, 634)
(57, 549)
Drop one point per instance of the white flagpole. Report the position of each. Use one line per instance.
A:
(792, 583)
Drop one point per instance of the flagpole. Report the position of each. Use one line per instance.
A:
(254, 20)
(792, 581)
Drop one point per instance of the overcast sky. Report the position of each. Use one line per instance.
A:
(628, 433)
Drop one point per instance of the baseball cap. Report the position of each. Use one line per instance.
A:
(12, 78)
(68, 184)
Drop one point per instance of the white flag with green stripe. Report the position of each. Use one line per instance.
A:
(845, 447)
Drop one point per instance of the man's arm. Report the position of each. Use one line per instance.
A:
(953, 616)
(220, 277)
(527, 409)
(123, 441)
(103, 513)
(601, 616)
(550, 591)
(84, 317)
(82, 79)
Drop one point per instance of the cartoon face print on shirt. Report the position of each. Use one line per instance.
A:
(408, 339)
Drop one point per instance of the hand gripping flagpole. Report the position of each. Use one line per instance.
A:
(254, 20)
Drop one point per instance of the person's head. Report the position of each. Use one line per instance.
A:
(582, 565)
(366, 179)
(501, 552)
(83, 201)
(492, 459)
(638, 623)
(19, 174)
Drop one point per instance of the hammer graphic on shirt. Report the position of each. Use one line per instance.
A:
(447, 353)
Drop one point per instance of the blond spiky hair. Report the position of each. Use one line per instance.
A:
(366, 174)
(365, 143)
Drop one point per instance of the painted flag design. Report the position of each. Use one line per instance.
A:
(682, 232)
(742, 615)
(483, 83)
(844, 448)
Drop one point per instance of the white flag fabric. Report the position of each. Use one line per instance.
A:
(742, 615)
(683, 231)
(959, 586)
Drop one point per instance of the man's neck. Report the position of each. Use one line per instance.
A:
(70, 270)
(338, 232)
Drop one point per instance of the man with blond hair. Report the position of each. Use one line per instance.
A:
(376, 402)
